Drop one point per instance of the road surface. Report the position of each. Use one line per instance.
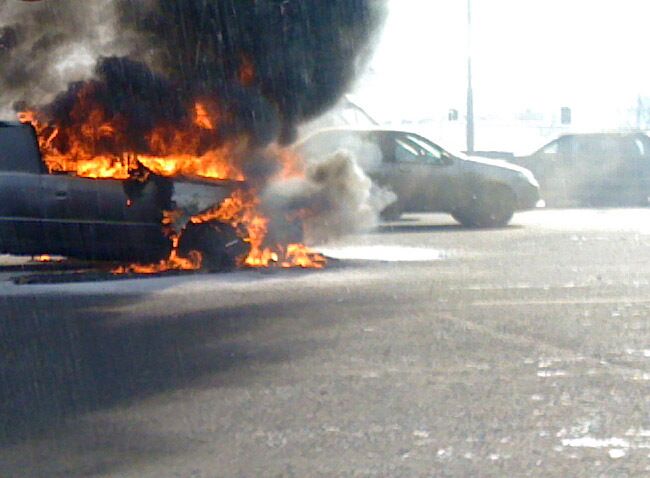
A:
(425, 349)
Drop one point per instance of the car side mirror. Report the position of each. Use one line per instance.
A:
(446, 158)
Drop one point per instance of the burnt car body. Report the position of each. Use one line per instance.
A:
(96, 219)
(427, 178)
(596, 169)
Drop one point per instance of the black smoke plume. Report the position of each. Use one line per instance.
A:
(270, 64)
(46, 44)
(303, 53)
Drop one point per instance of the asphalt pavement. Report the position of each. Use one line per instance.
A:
(423, 349)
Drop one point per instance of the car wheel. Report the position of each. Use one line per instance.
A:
(461, 218)
(490, 206)
(218, 243)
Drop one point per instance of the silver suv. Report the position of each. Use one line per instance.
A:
(477, 192)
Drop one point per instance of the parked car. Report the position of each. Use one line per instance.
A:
(599, 169)
(425, 177)
(100, 219)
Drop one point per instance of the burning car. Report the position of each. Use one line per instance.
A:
(477, 192)
(106, 219)
(163, 130)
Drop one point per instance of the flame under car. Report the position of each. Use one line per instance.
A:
(104, 219)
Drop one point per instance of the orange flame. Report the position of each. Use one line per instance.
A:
(292, 163)
(177, 151)
(42, 258)
(241, 210)
(246, 71)
(173, 151)
(202, 117)
(173, 263)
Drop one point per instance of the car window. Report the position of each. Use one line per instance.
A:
(561, 146)
(405, 152)
(628, 147)
(17, 146)
(551, 148)
(410, 148)
(429, 152)
(568, 146)
(597, 145)
(609, 145)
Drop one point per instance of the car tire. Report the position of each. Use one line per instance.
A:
(461, 218)
(219, 244)
(493, 205)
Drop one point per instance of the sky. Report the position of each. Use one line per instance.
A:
(590, 55)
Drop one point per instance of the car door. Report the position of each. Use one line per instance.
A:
(608, 170)
(599, 170)
(420, 173)
(627, 184)
(94, 218)
(115, 225)
(96, 207)
(20, 226)
(604, 170)
(70, 206)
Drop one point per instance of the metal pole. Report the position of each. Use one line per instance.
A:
(470, 93)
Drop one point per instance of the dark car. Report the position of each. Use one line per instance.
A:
(100, 219)
(599, 169)
(427, 178)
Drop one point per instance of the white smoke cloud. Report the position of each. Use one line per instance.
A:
(337, 195)
(353, 201)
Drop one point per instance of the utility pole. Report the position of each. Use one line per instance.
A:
(470, 93)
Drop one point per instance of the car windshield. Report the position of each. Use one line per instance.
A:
(451, 150)
(335, 238)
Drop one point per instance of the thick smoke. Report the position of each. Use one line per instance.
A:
(45, 45)
(271, 64)
(302, 53)
(265, 65)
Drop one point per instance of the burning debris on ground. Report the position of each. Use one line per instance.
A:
(202, 90)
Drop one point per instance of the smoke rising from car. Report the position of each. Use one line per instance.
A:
(265, 66)
(270, 65)
(45, 45)
(339, 164)
(338, 195)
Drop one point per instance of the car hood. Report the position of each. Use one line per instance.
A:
(471, 162)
